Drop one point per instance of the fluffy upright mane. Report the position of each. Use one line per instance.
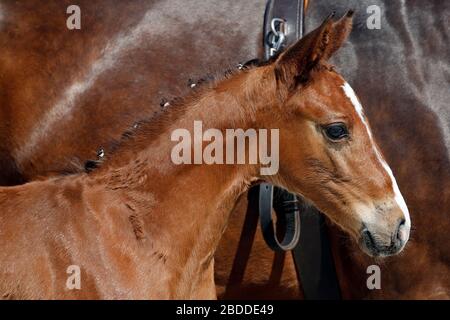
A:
(144, 131)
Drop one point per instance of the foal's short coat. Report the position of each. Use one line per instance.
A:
(143, 227)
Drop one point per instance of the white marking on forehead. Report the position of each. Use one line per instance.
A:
(348, 90)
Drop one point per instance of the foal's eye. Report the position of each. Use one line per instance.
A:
(336, 131)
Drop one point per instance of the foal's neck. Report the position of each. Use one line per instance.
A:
(184, 208)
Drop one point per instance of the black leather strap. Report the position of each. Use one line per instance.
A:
(313, 257)
(291, 11)
(286, 208)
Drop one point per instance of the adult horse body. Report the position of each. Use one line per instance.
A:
(128, 226)
(32, 84)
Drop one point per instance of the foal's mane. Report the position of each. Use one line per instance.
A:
(146, 130)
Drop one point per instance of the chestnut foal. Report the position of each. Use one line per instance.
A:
(143, 227)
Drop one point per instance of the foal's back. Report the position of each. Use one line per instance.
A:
(55, 226)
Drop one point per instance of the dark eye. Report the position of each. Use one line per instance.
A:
(336, 131)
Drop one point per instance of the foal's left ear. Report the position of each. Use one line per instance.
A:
(295, 64)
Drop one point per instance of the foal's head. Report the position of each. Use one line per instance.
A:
(327, 151)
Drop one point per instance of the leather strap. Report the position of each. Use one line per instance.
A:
(313, 257)
(286, 208)
(292, 12)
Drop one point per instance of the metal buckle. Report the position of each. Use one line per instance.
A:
(277, 36)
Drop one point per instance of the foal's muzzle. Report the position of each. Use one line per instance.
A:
(376, 244)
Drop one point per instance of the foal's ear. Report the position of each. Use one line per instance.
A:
(295, 64)
(340, 32)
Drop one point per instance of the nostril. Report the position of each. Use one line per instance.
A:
(401, 231)
(368, 239)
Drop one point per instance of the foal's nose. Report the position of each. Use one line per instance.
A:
(375, 245)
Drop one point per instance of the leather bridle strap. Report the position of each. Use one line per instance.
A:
(285, 205)
(283, 18)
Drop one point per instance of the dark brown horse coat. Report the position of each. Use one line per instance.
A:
(32, 83)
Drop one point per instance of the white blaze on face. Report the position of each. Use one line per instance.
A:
(398, 196)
